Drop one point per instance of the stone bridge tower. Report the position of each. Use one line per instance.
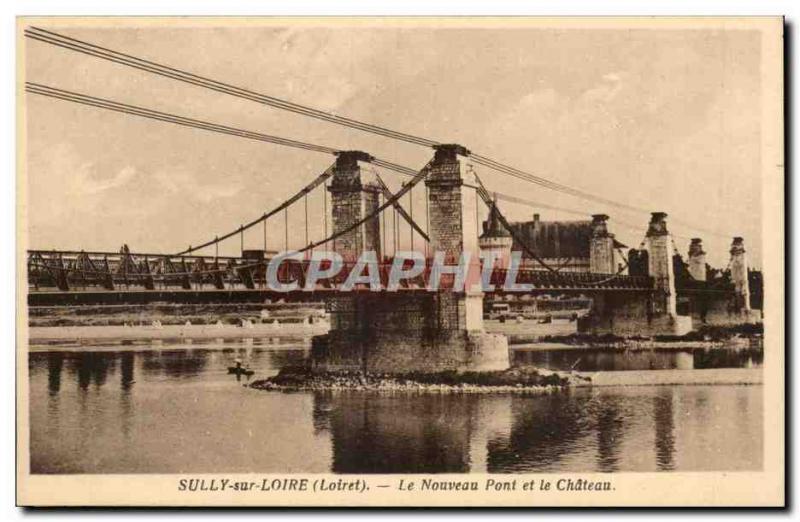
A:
(644, 313)
(453, 231)
(415, 329)
(697, 260)
(739, 275)
(602, 258)
(660, 267)
(351, 201)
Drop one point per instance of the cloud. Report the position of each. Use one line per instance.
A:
(214, 192)
(606, 90)
(183, 181)
(539, 99)
(611, 77)
(90, 183)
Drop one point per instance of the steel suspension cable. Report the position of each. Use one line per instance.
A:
(87, 48)
(405, 215)
(487, 199)
(411, 212)
(324, 209)
(526, 176)
(184, 76)
(305, 205)
(427, 220)
(384, 253)
(102, 103)
(395, 232)
(83, 99)
(283, 206)
(389, 202)
(105, 53)
(180, 120)
(484, 194)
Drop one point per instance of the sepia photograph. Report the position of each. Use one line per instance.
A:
(400, 261)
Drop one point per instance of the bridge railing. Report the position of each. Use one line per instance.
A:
(77, 270)
(688, 285)
(543, 279)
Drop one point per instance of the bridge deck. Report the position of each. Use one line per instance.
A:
(171, 276)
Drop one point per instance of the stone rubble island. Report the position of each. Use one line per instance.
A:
(518, 380)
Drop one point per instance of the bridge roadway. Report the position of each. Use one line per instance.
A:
(74, 278)
(238, 295)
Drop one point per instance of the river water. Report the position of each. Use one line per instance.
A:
(175, 409)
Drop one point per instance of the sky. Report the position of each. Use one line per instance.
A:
(667, 120)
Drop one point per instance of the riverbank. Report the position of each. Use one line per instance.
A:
(747, 335)
(718, 376)
(631, 345)
(514, 380)
(173, 314)
(121, 334)
(276, 327)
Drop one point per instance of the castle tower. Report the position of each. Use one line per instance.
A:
(495, 240)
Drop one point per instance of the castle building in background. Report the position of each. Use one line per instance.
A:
(562, 244)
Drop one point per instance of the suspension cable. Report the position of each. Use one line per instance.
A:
(305, 205)
(87, 48)
(93, 101)
(170, 118)
(83, 99)
(405, 215)
(411, 212)
(283, 206)
(487, 199)
(97, 51)
(408, 186)
(384, 252)
(325, 209)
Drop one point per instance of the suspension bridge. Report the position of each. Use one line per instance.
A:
(637, 292)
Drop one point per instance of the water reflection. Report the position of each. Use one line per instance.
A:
(177, 363)
(126, 368)
(543, 431)
(54, 366)
(166, 411)
(609, 430)
(177, 410)
(92, 367)
(663, 420)
(624, 360)
(377, 433)
(126, 364)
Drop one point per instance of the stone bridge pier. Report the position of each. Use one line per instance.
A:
(641, 313)
(419, 331)
(721, 308)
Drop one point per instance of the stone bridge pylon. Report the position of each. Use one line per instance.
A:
(645, 313)
(422, 331)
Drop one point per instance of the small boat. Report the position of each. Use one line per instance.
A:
(240, 371)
